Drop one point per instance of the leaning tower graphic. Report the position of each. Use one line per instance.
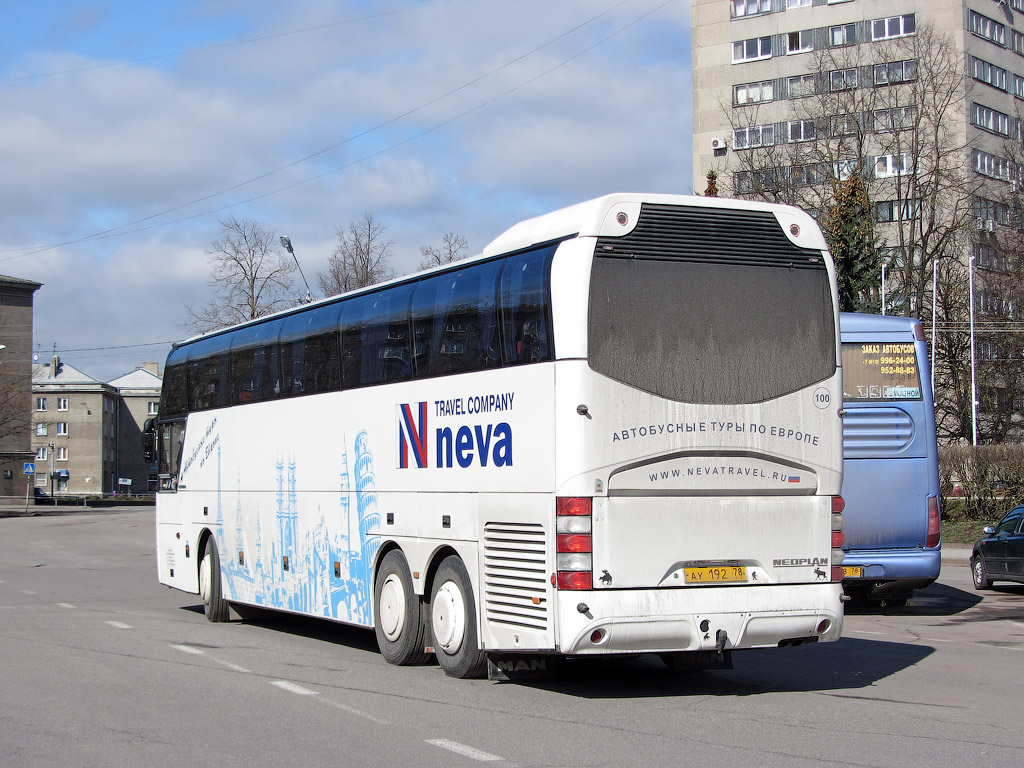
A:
(366, 505)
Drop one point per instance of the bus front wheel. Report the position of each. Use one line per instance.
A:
(453, 622)
(210, 588)
(398, 615)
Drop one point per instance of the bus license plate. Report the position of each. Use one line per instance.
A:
(715, 573)
(853, 571)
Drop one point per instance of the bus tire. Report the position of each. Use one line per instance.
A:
(398, 613)
(978, 573)
(453, 622)
(210, 587)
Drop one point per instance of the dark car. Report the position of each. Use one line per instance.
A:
(999, 556)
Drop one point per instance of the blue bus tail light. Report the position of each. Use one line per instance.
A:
(934, 523)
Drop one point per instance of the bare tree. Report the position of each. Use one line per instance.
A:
(361, 258)
(453, 245)
(250, 277)
(896, 110)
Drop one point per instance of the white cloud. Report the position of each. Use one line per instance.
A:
(98, 149)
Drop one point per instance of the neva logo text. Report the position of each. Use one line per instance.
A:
(462, 446)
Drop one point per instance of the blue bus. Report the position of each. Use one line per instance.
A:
(890, 459)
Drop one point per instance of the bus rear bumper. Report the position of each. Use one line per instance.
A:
(666, 620)
(892, 571)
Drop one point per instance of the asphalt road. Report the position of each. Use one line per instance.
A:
(101, 666)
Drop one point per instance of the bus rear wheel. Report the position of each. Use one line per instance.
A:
(210, 587)
(398, 613)
(453, 622)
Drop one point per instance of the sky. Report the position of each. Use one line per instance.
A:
(131, 130)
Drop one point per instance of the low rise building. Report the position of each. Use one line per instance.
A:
(87, 434)
(16, 295)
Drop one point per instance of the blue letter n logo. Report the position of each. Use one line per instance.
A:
(412, 434)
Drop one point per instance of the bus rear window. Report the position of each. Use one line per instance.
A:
(880, 371)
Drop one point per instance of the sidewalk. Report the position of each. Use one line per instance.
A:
(956, 554)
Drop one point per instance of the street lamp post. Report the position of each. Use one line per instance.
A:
(883, 287)
(52, 497)
(974, 369)
(286, 242)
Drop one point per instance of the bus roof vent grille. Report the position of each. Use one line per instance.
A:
(692, 233)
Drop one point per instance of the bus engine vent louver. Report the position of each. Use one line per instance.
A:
(515, 571)
(690, 233)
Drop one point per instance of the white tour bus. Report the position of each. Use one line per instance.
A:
(615, 431)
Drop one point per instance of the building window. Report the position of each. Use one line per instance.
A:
(989, 74)
(40, 403)
(41, 428)
(897, 210)
(62, 403)
(844, 169)
(895, 119)
(1017, 41)
(798, 3)
(42, 453)
(991, 165)
(1018, 86)
(801, 130)
(895, 72)
(990, 120)
(153, 409)
(801, 86)
(754, 49)
(62, 428)
(842, 79)
(753, 93)
(843, 125)
(893, 27)
(61, 453)
(843, 34)
(741, 8)
(800, 42)
(41, 480)
(805, 175)
(991, 30)
(746, 182)
(754, 136)
(888, 166)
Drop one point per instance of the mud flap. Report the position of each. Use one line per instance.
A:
(515, 667)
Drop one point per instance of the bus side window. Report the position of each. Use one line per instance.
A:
(454, 319)
(375, 338)
(524, 307)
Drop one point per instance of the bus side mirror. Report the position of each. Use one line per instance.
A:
(149, 440)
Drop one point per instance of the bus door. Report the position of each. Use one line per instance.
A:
(176, 555)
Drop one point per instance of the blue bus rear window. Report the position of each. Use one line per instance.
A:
(880, 372)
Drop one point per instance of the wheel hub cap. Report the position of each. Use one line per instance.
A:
(392, 607)
(448, 618)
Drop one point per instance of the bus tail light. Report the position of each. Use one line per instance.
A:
(934, 523)
(838, 538)
(574, 543)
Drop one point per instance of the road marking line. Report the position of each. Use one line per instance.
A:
(188, 649)
(229, 665)
(66, 605)
(27, 592)
(936, 640)
(462, 749)
(118, 625)
(357, 712)
(863, 632)
(293, 688)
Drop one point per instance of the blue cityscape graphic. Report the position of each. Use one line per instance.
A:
(316, 563)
